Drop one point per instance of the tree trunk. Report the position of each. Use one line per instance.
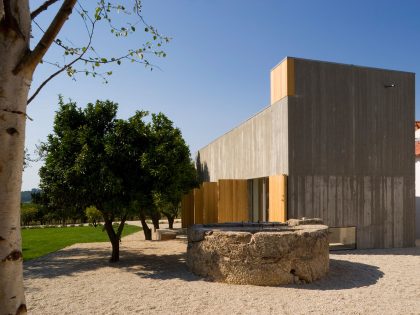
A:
(146, 230)
(155, 219)
(115, 242)
(171, 219)
(115, 256)
(14, 88)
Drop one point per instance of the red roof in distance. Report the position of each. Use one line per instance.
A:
(417, 148)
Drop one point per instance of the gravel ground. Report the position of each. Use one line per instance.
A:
(152, 278)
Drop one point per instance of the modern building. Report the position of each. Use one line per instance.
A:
(342, 135)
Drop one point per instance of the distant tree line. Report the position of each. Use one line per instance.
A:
(26, 196)
(140, 166)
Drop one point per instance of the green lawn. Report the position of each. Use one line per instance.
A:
(39, 242)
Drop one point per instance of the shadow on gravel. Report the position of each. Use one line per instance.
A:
(345, 274)
(72, 261)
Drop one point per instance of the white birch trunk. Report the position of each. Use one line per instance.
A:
(14, 89)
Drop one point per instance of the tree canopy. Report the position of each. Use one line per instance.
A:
(118, 166)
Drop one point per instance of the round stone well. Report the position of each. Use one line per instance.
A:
(266, 254)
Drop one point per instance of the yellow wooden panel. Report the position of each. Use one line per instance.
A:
(187, 209)
(241, 201)
(277, 198)
(198, 205)
(224, 200)
(233, 200)
(282, 80)
(210, 202)
(260, 200)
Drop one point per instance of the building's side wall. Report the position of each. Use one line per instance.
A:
(351, 153)
(256, 148)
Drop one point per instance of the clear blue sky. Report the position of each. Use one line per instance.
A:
(217, 70)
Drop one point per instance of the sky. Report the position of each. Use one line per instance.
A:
(216, 73)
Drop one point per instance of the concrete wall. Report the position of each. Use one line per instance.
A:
(346, 142)
(351, 158)
(256, 148)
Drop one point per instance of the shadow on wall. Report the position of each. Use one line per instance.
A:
(202, 170)
(418, 217)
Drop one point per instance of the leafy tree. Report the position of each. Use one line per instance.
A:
(18, 61)
(29, 213)
(60, 151)
(45, 213)
(83, 166)
(131, 140)
(93, 215)
(169, 165)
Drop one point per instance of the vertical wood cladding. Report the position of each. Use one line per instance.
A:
(233, 201)
(210, 202)
(187, 209)
(277, 198)
(198, 206)
(351, 159)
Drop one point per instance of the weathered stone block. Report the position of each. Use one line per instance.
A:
(259, 254)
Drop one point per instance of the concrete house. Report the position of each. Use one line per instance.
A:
(342, 135)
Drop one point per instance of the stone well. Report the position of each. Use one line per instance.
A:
(259, 253)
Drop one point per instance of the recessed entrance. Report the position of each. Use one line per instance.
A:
(342, 237)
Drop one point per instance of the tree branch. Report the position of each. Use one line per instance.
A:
(121, 226)
(65, 66)
(32, 59)
(52, 76)
(42, 8)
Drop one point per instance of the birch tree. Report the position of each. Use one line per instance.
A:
(20, 55)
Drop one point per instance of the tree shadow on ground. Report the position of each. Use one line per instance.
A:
(345, 274)
(74, 260)
(405, 251)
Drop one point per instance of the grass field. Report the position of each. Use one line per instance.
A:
(39, 242)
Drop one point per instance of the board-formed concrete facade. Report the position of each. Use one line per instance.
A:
(343, 135)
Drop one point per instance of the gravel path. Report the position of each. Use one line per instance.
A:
(152, 278)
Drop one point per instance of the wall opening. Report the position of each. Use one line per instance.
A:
(342, 238)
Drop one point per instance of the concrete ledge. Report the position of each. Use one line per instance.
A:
(165, 234)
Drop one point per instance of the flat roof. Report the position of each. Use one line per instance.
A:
(339, 63)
